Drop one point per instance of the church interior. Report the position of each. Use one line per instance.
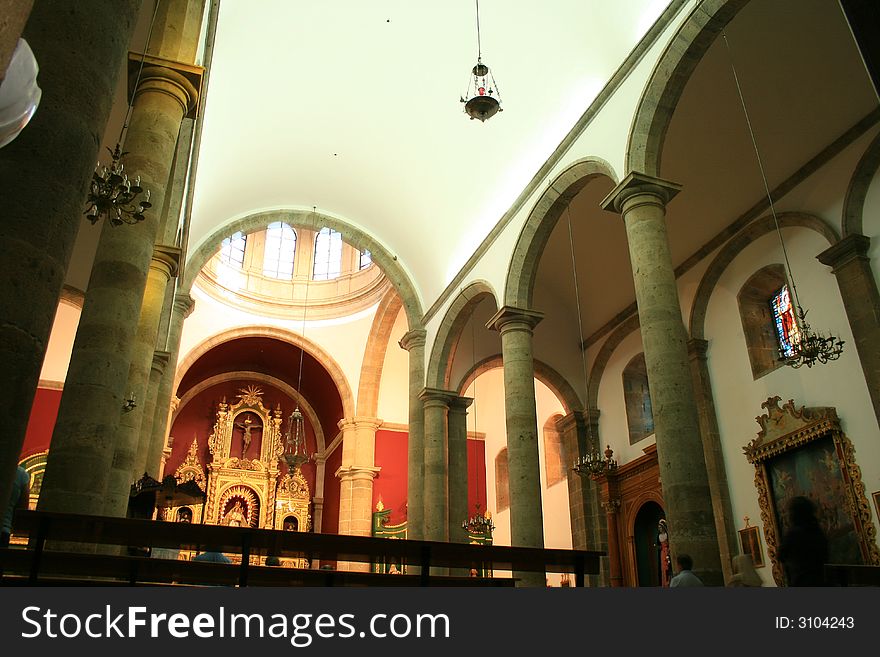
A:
(613, 288)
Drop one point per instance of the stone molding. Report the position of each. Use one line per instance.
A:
(639, 184)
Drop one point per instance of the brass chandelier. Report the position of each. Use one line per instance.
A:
(483, 103)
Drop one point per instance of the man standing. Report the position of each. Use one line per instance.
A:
(685, 577)
(17, 500)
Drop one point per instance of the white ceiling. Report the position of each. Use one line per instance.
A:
(353, 107)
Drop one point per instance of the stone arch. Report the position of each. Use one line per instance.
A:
(284, 387)
(374, 354)
(324, 358)
(618, 335)
(668, 80)
(449, 332)
(543, 372)
(535, 233)
(310, 220)
(854, 202)
(734, 246)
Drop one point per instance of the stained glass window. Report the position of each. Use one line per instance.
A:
(328, 255)
(280, 247)
(787, 331)
(232, 249)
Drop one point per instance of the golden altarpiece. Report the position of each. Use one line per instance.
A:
(244, 485)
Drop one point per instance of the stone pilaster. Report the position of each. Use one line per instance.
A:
(436, 485)
(129, 458)
(718, 485)
(521, 418)
(851, 266)
(414, 343)
(457, 451)
(641, 200)
(44, 173)
(157, 371)
(356, 476)
(181, 309)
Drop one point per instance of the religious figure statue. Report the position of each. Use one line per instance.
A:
(235, 516)
(665, 558)
(246, 427)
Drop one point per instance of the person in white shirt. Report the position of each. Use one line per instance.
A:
(685, 577)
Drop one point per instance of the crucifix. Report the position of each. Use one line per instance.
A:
(246, 427)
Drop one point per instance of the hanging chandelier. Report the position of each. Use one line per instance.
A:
(479, 523)
(112, 194)
(807, 348)
(295, 454)
(596, 465)
(482, 88)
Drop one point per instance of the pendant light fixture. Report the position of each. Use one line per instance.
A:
(484, 98)
(112, 194)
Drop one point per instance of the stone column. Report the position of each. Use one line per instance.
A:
(356, 476)
(126, 465)
(642, 202)
(851, 266)
(14, 14)
(572, 429)
(157, 371)
(436, 484)
(457, 450)
(718, 485)
(414, 343)
(183, 306)
(521, 419)
(44, 174)
(89, 416)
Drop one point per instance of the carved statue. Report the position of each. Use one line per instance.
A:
(246, 427)
(235, 516)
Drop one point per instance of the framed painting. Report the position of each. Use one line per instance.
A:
(750, 543)
(804, 452)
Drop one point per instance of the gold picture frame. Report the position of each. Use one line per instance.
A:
(750, 543)
(803, 451)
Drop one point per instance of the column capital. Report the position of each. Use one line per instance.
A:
(578, 419)
(412, 339)
(175, 79)
(639, 183)
(166, 259)
(850, 248)
(184, 304)
(436, 396)
(160, 361)
(508, 318)
(350, 472)
(460, 404)
(697, 348)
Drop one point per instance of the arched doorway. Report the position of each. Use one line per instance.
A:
(649, 566)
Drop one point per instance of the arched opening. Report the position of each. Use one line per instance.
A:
(651, 564)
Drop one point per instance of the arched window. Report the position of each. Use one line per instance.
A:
(328, 255)
(553, 451)
(232, 250)
(502, 485)
(637, 397)
(756, 301)
(366, 259)
(280, 247)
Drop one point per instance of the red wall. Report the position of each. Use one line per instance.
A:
(330, 518)
(390, 485)
(44, 412)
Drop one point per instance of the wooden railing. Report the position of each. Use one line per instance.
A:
(61, 559)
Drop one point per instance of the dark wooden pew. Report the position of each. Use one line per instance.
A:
(47, 532)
